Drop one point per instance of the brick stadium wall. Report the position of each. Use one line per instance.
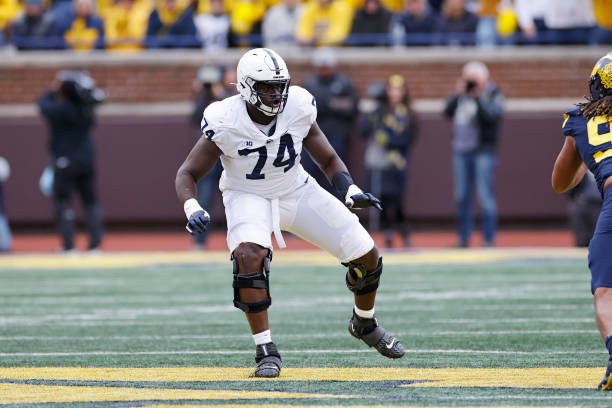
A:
(432, 73)
(139, 153)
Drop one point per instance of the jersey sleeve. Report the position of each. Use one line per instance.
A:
(212, 121)
(305, 103)
(569, 122)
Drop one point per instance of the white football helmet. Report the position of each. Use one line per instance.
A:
(262, 65)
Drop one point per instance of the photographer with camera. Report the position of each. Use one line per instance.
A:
(476, 111)
(68, 109)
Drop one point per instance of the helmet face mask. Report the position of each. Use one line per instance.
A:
(600, 81)
(263, 80)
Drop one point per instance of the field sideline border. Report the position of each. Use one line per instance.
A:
(108, 260)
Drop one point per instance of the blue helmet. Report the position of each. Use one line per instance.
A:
(600, 81)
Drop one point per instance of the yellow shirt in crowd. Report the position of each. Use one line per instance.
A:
(9, 10)
(80, 37)
(125, 24)
(326, 26)
(245, 14)
(603, 13)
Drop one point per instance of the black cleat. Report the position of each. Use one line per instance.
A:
(606, 383)
(268, 361)
(375, 336)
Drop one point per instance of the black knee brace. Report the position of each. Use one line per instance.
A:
(255, 280)
(364, 281)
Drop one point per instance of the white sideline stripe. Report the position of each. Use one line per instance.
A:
(289, 336)
(106, 323)
(599, 398)
(124, 303)
(33, 312)
(100, 321)
(516, 320)
(532, 293)
(309, 351)
(219, 304)
(111, 299)
(60, 322)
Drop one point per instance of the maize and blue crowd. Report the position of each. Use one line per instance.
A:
(133, 25)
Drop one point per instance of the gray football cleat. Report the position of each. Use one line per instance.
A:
(268, 361)
(368, 331)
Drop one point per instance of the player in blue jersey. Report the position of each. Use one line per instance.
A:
(588, 144)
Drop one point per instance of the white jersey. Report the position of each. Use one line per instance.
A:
(254, 162)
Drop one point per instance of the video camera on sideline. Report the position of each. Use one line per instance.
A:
(80, 87)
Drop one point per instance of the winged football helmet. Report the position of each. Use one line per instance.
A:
(600, 82)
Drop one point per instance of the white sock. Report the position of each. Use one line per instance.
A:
(366, 314)
(262, 338)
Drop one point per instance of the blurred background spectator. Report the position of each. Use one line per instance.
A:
(36, 28)
(208, 88)
(507, 23)
(221, 24)
(602, 12)
(583, 209)
(456, 25)
(568, 22)
(530, 15)
(125, 24)
(9, 10)
(486, 29)
(418, 20)
(205, 6)
(336, 99)
(391, 130)
(245, 22)
(324, 23)
(280, 22)
(213, 27)
(371, 25)
(476, 109)
(6, 238)
(436, 5)
(68, 108)
(171, 25)
(81, 27)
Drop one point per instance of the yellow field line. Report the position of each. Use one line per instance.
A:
(26, 393)
(107, 260)
(555, 377)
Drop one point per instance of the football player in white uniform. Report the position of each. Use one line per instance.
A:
(259, 135)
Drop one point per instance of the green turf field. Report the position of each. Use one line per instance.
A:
(482, 327)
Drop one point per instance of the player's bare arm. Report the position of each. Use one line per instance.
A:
(334, 168)
(568, 169)
(198, 163)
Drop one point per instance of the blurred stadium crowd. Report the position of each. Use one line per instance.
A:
(133, 25)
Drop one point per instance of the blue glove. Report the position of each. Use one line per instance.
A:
(198, 222)
(364, 200)
(357, 199)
